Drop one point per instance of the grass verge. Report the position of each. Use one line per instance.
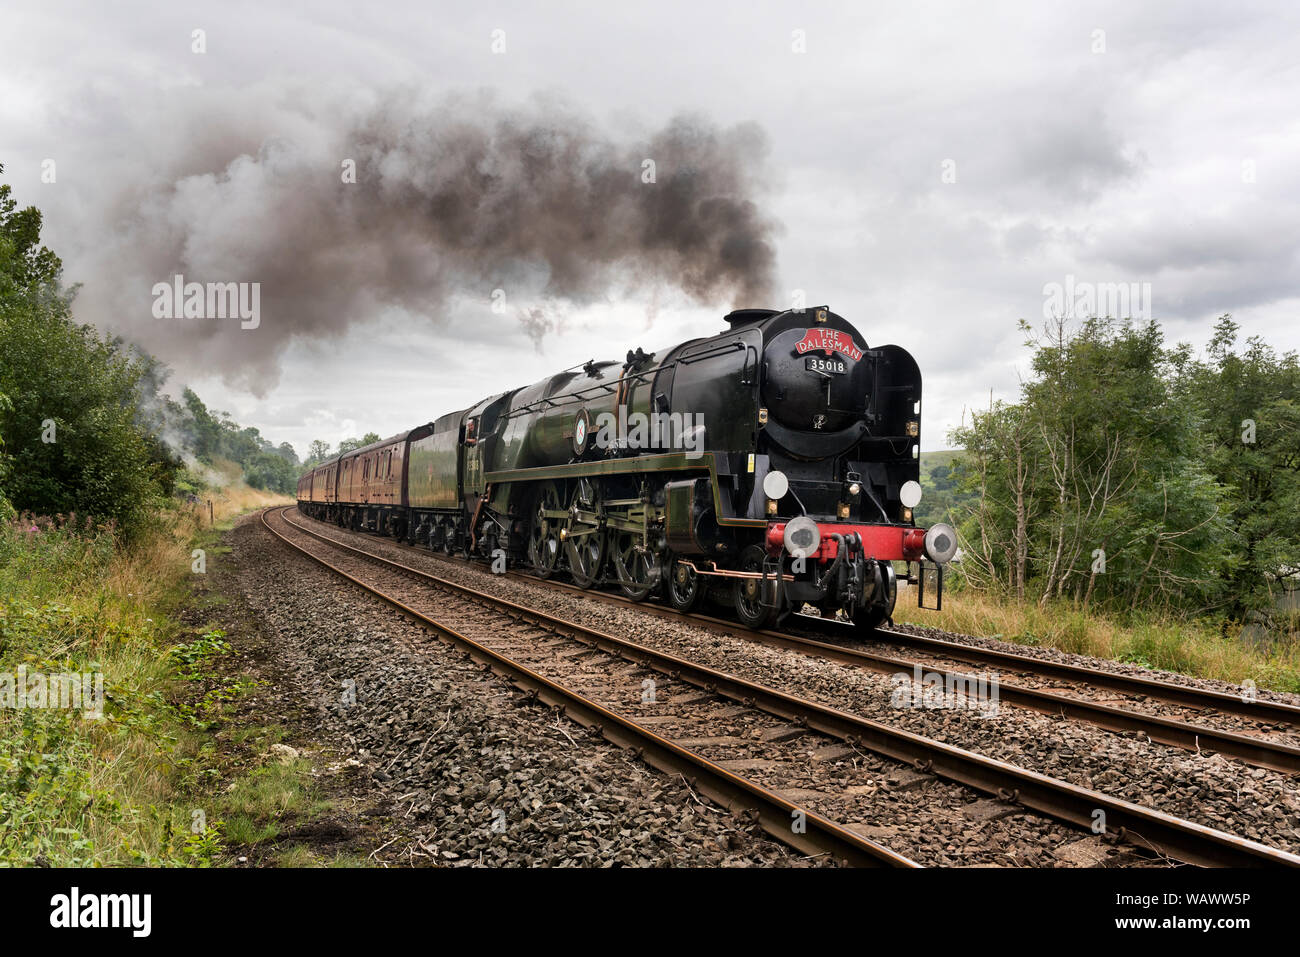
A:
(1197, 648)
(151, 780)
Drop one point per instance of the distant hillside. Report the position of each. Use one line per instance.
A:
(929, 460)
(939, 489)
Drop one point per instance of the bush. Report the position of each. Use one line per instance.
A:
(71, 435)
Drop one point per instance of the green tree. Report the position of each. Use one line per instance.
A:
(317, 452)
(84, 424)
(351, 445)
(6, 510)
(74, 437)
(1247, 402)
(26, 268)
(1094, 485)
(71, 430)
(272, 471)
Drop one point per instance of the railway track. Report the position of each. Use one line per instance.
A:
(1165, 836)
(1260, 716)
(1250, 707)
(776, 815)
(1252, 749)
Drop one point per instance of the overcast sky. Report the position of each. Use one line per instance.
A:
(923, 168)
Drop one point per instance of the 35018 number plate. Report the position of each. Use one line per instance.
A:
(834, 366)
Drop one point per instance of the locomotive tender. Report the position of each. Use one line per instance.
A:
(774, 464)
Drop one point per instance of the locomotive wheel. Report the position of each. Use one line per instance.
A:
(685, 588)
(585, 539)
(748, 592)
(868, 619)
(544, 531)
(449, 537)
(636, 567)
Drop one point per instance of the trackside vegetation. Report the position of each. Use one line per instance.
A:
(1139, 501)
(116, 688)
(120, 787)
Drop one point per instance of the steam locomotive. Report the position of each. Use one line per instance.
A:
(773, 466)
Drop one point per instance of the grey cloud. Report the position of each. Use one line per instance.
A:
(1112, 167)
(457, 197)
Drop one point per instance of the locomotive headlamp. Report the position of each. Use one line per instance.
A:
(913, 428)
(940, 544)
(802, 537)
(910, 494)
(855, 489)
(842, 510)
(771, 506)
(775, 484)
(907, 514)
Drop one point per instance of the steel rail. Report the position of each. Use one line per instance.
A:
(1263, 710)
(1244, 705)
(737, 794)
(1156, 831)
(1258, 752)
(1252, 707)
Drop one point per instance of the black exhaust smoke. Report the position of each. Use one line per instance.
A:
(412, 207)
